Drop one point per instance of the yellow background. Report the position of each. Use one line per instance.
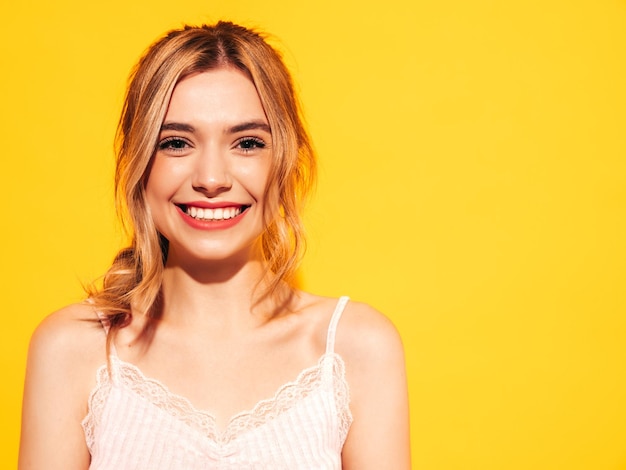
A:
(472, 187)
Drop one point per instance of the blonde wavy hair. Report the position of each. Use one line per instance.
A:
(133, 282)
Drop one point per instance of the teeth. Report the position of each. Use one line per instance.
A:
(221, 213)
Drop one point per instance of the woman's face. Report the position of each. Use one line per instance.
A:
(208, 179)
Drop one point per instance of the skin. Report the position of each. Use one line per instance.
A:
(202, 155)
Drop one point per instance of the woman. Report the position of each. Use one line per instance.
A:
(199, 313)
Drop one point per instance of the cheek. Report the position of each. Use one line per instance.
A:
(162, 180)
(251, 177)
(159, 190)
(259, 179)
(154, 187)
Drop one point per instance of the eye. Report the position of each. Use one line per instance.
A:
(173, 144)
(249, 144)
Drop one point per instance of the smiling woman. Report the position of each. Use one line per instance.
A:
(199, 319)
(210, 170)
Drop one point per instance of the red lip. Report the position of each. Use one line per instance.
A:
(211, 224)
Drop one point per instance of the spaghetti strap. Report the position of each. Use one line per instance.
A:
(106, 326)
(334, 320)
(104, 321)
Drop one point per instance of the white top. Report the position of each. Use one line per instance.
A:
(136, 423)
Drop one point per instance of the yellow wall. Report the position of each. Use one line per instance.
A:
(473, 175)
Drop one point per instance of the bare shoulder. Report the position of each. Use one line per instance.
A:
(372, 350)
(364, 333)
(65, 351)
(67, 346)
(72, 332)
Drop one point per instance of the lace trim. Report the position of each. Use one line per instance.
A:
(97, 400)
(287, 396)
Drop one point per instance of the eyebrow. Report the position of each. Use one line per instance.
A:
(244, 126)
(251, 125)
(177, 126)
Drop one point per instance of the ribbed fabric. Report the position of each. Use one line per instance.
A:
(135, 423)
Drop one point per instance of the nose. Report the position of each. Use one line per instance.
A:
(211, 173)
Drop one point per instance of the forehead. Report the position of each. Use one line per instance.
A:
(223, 95)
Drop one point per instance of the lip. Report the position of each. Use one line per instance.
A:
(211, 224)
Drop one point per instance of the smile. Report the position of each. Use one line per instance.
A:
(220, 213)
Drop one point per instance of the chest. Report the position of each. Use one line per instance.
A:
(228, 377)
(303, 425)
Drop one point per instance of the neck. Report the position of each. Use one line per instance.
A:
(220, 295)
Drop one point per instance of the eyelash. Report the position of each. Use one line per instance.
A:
(177, 144)
(252, 142)
(166, 144)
